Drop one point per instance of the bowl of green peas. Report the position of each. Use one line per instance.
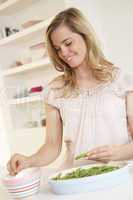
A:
(89, 178)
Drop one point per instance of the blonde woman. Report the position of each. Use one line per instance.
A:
(89, 107)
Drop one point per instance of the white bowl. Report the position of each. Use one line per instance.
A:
(24, 184)
(91, 183)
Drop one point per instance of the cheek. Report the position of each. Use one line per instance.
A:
(82, 52)
(82, 49)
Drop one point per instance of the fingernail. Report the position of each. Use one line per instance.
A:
(12, 174)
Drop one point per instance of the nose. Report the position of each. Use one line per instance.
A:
(64, 52)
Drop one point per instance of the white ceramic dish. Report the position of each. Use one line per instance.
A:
(91, 183)
(24, 184)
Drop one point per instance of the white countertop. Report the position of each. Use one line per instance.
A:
(122, 192)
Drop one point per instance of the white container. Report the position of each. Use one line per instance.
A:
(91, 183)
(24, 184)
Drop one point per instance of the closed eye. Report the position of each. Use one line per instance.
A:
(57, 49)
(68, 43)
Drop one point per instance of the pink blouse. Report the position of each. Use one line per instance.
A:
(96, 116)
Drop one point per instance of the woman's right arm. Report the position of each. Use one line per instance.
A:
(50, 149)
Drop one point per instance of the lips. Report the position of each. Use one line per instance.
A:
(69, 58)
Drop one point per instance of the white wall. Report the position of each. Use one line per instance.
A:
(4, 146)
(112, 21)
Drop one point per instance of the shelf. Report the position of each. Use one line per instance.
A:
(27, 67)
(11, 6)
(25, 33)
(33, 130)
(25, 100)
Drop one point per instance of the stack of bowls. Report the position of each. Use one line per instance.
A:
(24, 184)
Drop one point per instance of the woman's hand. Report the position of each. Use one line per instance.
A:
(106, 153)
(17, 163)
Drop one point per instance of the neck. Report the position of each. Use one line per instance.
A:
(84, 73)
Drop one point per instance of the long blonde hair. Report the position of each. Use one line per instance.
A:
(101, 68)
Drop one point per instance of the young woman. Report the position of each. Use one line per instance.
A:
(89, 107)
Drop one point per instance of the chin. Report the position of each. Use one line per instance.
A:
(74, 66)
(75, 63)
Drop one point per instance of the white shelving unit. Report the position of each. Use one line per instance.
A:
(27, 67)
(25, 100)
(26, 34)
(11, 6)
(24, 113)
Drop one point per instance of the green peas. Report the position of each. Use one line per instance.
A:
(81, 155)
(85, 172)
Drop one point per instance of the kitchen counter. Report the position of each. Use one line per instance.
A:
(122, 192)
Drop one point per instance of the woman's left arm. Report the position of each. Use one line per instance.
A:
(129, 109)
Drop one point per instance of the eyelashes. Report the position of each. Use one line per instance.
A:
(65, 44)
(68, 44)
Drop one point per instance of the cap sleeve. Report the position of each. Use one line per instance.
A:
(50, 97)
(122, 84)
(128, 83)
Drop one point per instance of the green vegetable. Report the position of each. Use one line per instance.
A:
(80, 173)
(81, 155)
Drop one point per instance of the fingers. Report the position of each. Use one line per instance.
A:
(103, 157)
(101, 153)
(10, 169)
(20, 166)
(14, 165)
(98, 150)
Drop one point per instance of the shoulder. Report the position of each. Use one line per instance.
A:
(124, 78)
(57, 82)
(123, 83)
(127, 81)
(51, 92)
(55, 86)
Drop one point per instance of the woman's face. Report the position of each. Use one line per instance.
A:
(70, 46)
